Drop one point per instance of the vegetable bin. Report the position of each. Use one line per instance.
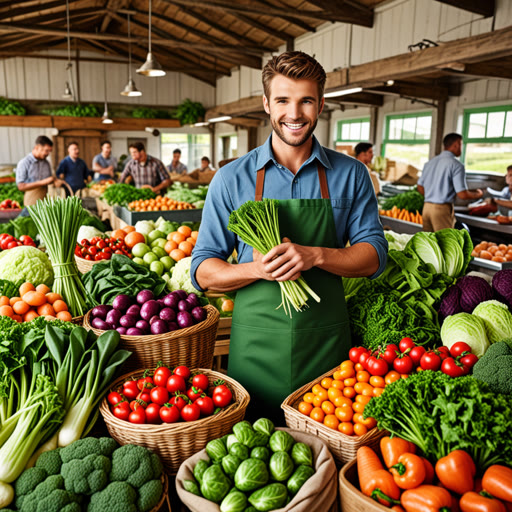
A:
(176, 442)
(131, 218)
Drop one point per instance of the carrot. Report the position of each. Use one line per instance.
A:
(407, 216)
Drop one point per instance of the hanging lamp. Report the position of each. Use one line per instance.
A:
(105, 118)
(151, 67)
(130, 88)
(68, 91)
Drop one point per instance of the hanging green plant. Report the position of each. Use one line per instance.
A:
(11, 108)
(151, 113)
(75, 111)
(189, 112)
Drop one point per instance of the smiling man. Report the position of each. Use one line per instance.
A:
(326, 199)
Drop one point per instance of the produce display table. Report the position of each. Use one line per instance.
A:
(222, 343)
(131, 218)
(482, 228)
(400, 226)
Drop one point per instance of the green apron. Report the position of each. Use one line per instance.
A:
(271, 354)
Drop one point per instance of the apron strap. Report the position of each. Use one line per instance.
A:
(260, 180)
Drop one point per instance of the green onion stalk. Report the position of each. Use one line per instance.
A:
(58, 222)
(257, 224)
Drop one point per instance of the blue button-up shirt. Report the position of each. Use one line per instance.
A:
(30, 169)
(75, 172)
(350, 188)
(104, 162)
(442, 178)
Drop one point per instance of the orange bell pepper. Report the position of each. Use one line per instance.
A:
(392, 447)
(475, 502)
(409, 472)
(456, 471)
(427, 498)
(497, 481)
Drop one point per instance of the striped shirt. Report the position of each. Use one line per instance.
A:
(151, 173)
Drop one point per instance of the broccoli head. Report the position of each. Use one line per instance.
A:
(149, 495)
(50, 496)
(86, 476)
(135, 465)
(495, 368)
(50, 461)
(116, 497)
(27, 482)
(87, 446)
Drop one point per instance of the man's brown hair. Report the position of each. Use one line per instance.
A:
(295, 65)
(139, 146)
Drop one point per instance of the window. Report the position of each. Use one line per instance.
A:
(350, 132)
(193, 147)
(487, 134)
(228, 147)
(407, 138)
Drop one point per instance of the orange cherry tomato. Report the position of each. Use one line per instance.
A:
(344, 413)
(377, 382)
(350, 382)
(391, 376)
(333, 393)
(308, 398)
(363, 376)
(316, 389)
(331, 421)
(326, 382)
(358, 407)
(363, 399)
(317, 414)
(318, 401)
(349, 392)
(360, 429)
(328, 407)
(340, 401)
(346, 428)
(305, 408)
(338, 384)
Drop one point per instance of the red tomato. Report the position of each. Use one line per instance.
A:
(130, 389)
(444, 352)
(194, 393)
(153, 414)
(363, 359)
(430, 361)
(169, 413)
(179, 401)
(144, 396)
(377, 366)
(183, 371)
(406, 343)
(121, 410)
(416, 354)
(159, 395)
(469, 360)
(138, 416)
(137, 403)
(101, 244)
(403, 364)
(389, 354)
(114, 398)
(222, 395)
(161, 376)
(206, 405)
(200, 381)
(453, 368)
(176, 383)
(355, 352)
(457, 349)
(190, 412)
(12, 245)
(145, 383)
(93, 250)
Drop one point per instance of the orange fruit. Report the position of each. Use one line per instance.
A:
(65, 316)
(194, 234)
(26, 287)
(45, 310)
(185, 230)
(177, 254)
(58, 306)
(128, 229)
(4, 301)
(119, 234)
(52, 297)
(133, 238)
(170, 246)
(191, 240)
(331, 421)
(178, 238)
(42, 288)
(34, 298)
(20, 307)
(6, 311)
(305, 408)
(186, 247)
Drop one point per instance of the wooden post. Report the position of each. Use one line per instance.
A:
(213, 145)
(252, 138)
(77, 72)
(374, 119)
(440, 118)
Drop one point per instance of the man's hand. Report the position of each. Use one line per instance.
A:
(147, 186)
(57, 182)
(49, 180)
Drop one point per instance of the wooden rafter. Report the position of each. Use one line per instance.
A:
(8, 54)
(416, 91)
(329, 5)
(73, 15)
(485, 8)
(360, 99)
(481, 70)
(19, 11)
(237, 108)
(294, 21)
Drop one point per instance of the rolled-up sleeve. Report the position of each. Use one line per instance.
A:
(459, 178)
(214, 239)
(363, 222)
(22, 172)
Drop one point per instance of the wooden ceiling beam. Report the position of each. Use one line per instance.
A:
(74, 15)
(8, 6)
(485, 8)
(360, 98)
(480, 70)
(432, 92)
(346, 17)
(294, 21)
(339, 5)
(237, 108)
(110, 5)
(9, 54)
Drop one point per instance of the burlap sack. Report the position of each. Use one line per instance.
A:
(318, 494)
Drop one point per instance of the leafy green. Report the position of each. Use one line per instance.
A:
(441, 414)
(11, 108)
(10, 191)
(182, 192)
(10, 289)
(411, 200)
(123, 193)
(189, 112)
(75, 111)
(151, 113)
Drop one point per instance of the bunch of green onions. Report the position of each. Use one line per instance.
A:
(257, 224)
(58, 222)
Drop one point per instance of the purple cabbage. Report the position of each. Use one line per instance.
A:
(502, 285)
(473, 290)
(450, 303)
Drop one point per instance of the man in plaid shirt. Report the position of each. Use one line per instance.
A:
(145, 170)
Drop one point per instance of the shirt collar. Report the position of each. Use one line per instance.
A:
(265, 154)
(32, 158)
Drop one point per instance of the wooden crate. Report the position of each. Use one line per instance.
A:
(222, 343)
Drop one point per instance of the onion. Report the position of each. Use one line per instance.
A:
(144, 295)
(133, 331)
(100, 311)
(193, 299)
(153, 319)
(128, 321)
(198, 314)
(134, 310)
(159, 327)
(168, 314)
(122, 302)
(149, 309)
(185, 319)
(171, 300)
(181, 294)
(100, 324)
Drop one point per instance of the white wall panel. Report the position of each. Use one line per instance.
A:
(503, 13)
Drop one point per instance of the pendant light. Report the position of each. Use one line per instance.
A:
(151, 67)
(68, 91)
(105, 119)
(130, 88)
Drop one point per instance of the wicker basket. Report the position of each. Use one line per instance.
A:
(343, 447)
(84, 265)
(176, 442)
(78, 320)
(351, 498)
(192, 346)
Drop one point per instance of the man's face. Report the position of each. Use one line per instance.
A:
(366, 156)
(204, 164)
(294, 107)
(457, 148)
(508, 178)
(73, 151)
(136, 154)
(176, 157)
(41, 152)
(106, 150)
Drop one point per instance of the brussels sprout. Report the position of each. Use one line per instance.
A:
(251, 474)
(230, 464)
(230, 441)
(216, 449)
(248, 437)
(239, 425)
(281, 466)
(191, 486)
(264, 425)
(261, 452)
(299, 477)
(239, 450)
(200, 468)
(215, 484)
(250, 509)
(301, 454)
(281, 441)
(224, 439)
(270, 497)
(235, 501)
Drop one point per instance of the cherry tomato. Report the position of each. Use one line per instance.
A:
(114, 398)
(144, 396)
(122, 410)
(389, 354)
(179, 401)
(355, 352)
(406, 343)
(135, 404)
(190, 412)
(169, 413)
(145, 383)
(469, 360)
(159, 395)
(183, 371)
(430, 361)
(416, 354)
(176, 383)
(377, 366)
(84, 242)
(363, 359)
(222, 395)
(161, 376)
(444, 352)
(200, 381)
(153, 414)
(453, 368)
(457, 349)
(138, 416)
(88, 257)
(403, 364)
(206, 405)
(101, 244)
(194, 393)
(130, 389)
(12, 245)
(93, 250)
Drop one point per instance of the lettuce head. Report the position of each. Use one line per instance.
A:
(27, 263)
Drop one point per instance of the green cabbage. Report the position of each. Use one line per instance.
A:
(281, 441)
(497, 320)
(235, 501)
(251, 474)
(264, 425)
(230, 464)
(397, 241)
(299, 477)
(27, 263)
(240, 450)
(301, 454)
(215, 484)
(467, 328)
(145, 227)
(261, 452)
(456, 247)
(180, 279)
(199, 469)
(216, 449)
(425, 246)
(269, 497)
